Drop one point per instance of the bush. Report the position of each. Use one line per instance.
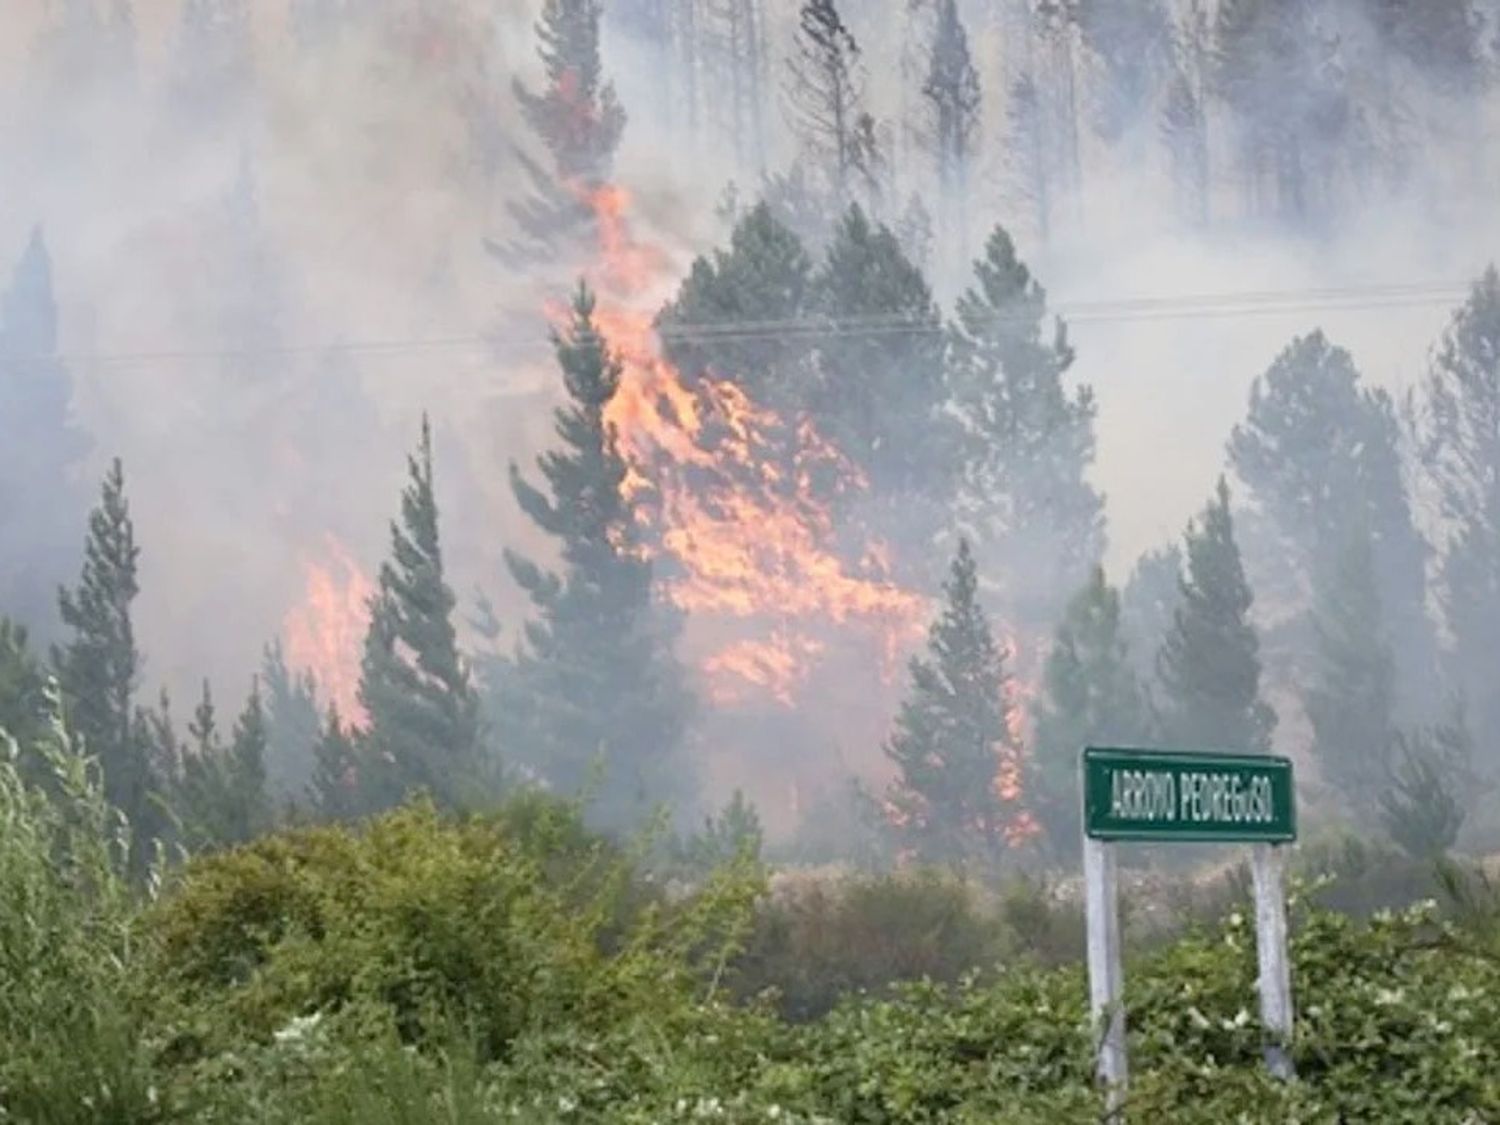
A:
(70, 1039)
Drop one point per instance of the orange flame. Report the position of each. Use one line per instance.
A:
(325, 632)
(731, 492)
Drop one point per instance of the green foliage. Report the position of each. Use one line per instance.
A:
(1423, 803)
(70, 1052)
(423, 732)
(99, 666)
(1456, 422)
(1349, 703)
(732, 833)
(220, 796)
(595, 681)
(293, 727)
(1027, 440)
(22, 686)
(1209, 663)
(1090, 697)
(951, 734)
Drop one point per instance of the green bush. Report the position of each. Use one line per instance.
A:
(70, 1048)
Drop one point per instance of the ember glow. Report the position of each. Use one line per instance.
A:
(324, 633)
(736, 499)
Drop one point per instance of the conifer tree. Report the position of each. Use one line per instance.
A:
(880, 396)
(40, 446)
(221, 797)
(952, 92)
(1209, 664)
(293, 726)
(578, 120)
(1148, 606)
(1349, 702)
(826, 96)
(1028, 442)
(1320, 454)
(764, 276)
(98, 666)
(1458, 423)
(595, 679)
(1090, 697)
(423, 729)
(214, 55)
(23, 686)
(951, 732)
(336, 791)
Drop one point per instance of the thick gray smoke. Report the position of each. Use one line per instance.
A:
(267, 245)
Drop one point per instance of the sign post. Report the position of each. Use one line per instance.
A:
(1172, 796)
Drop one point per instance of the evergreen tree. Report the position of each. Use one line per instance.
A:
(1459, 428)
(98, 667)
(1209, 664)
(1148, 606)
(40, 446)
(951, 733)
(336, 791)
(578, 119)
(293, 726)
(221, 797)
(826, 95)
(594, 679)
(423, 712)
(1349, 702)
(1028, 442)
(764, 277)
(879, 397)
(1132, 41)
(23, 686)
(1320, 455)
(952, 92)
(1090, 697)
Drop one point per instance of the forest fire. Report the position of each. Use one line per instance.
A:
(736, 498)
(324, 632)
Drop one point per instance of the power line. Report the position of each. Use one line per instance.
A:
(1114, 310)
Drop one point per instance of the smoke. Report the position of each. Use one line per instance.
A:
(260, 291)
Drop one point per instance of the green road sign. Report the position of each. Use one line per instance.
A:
(1170, 795)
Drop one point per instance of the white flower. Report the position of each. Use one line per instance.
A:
(301, 1027)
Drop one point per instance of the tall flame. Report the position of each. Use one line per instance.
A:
(737, 499)
(323, 634)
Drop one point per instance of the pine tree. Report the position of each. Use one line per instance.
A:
(293, 726)
(765, 276)
(1320, 455)
(952, 92)
(880, 396)
(1132, 41)
(23, 684)
(1209, 664)
(336, 791)
(423, 712)
(951, 733)
(578, 119)
(1148, 606)
(826, 93)
(1349, 702)
(40, 446)
(221, 797)
(99, 666)
(1028, 442)
(594, 679)
(1458, 423)
(1090, 697)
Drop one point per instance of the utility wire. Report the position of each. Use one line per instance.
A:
(1117, 310)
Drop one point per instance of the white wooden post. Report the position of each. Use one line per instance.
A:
(1106, 972)
(1267, 867)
